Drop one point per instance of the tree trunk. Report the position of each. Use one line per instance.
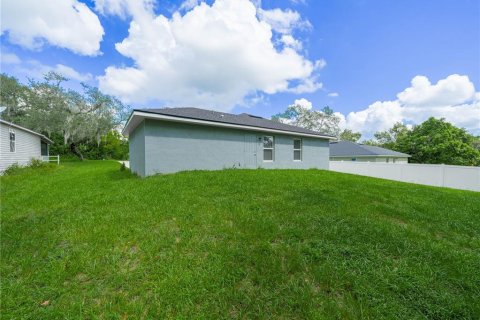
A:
(74, 149)
(66, 136)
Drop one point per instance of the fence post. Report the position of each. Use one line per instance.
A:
(58, 159)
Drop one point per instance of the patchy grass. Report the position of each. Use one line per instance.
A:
(86, 240)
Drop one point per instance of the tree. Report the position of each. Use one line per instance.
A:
(46, 106)
(114, 146)
(12, 97)
(437, 141)
(80, 118)
(388, 139)
(349, 135)
(476, 142)
(325, 120)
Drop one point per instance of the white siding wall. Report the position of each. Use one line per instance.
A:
(458, 177)
(27, 147)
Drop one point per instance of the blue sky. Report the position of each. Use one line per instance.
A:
(374, 48)
(354, 55)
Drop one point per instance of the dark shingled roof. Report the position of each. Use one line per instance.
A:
(349, 149)
(243, 119)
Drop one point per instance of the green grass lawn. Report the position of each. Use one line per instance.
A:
(85, 240)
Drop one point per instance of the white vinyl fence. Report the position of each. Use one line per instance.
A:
(51, 159)
(439, 175)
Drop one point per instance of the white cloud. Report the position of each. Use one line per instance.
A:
(343, 121)
(124, 8)
(452, 98)
(298, 1)
(320, 64)
(9, 58)
(307, 85)
(67, 24)
(112, 7)
(333, 94)
(289, 41)
(304, 103)
(35, 69)
(283, 21)
(380, 115)
(454, 89)
(71, 73)
(189, 4)
(212, 56)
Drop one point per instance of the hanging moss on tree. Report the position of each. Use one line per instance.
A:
(80, 123)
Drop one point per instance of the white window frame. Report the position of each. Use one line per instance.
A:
(301, 150)
(10, 131)
(272, 148)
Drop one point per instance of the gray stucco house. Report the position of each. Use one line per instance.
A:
(176, 139)
(351, 151)
(20, 145)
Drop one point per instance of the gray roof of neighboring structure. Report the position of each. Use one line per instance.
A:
(352, 149)
(242, 119)
(11, 124)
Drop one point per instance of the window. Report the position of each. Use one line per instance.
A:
(268, 148)
(12, 140)
(297, 149)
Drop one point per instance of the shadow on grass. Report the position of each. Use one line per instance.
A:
(119, 174)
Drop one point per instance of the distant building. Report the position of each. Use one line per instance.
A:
(20, 145)
(351, 151)
(175, 139)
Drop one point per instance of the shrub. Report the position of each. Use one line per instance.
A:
(36, 163)
(32, 164)
(69, 158)
(12, 169)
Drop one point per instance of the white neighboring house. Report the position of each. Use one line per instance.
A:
(20, 145)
